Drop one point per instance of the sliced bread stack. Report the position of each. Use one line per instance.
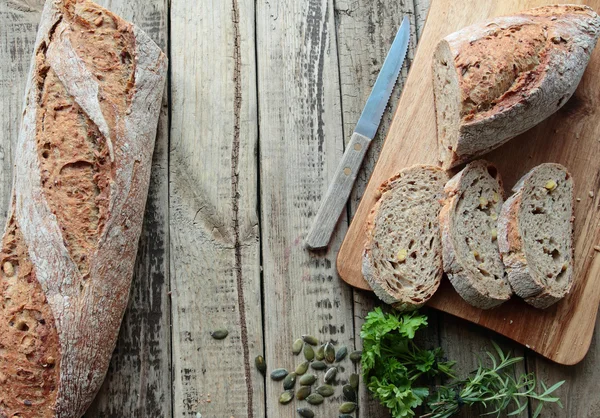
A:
(469, 225)
(535, 235)
(489, 248)
(403, 259)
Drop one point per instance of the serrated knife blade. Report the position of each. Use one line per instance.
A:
(366, 128)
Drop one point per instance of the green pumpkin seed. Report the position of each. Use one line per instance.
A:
(302, 368)
(315, 399)
(260, 364)
(219, 334)
(309, 353)
(341, 353)
(305, 412)
(349, 393)
(347, 407)
(286, 397)
(354, 378)
(303, 392)
(290, 381)
(329, 353)
(279, 374)
(308, 379)
(355, 356)
(330, 374)
(318, 365)
(320, 353)
(309, 339)
(297, 346)
(325, 390)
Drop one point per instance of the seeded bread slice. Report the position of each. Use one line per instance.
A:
(535, 235)
(402, 260)
(468, 221)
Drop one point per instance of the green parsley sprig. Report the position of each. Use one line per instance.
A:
(398, 373)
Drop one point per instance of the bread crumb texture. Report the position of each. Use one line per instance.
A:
(29, 347)
(76, 174)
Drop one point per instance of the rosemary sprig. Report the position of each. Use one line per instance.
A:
(494, 388)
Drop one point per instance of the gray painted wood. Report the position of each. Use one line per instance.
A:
(214, 251)
(334, 203)
(301, 144)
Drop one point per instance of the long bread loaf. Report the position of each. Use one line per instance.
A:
(82, 169)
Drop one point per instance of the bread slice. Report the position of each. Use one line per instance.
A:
(469, 221)
(535, 235)
(497, 79)
(402, 260)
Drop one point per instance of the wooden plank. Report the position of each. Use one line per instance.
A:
(215, 268)
(139, 377)
(18, 29)
(412, 140)
(301, 143)
(365, 31)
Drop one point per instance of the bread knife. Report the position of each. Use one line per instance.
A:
(346, 172)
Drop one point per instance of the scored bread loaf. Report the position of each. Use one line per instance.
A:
(469, 222)
(535, 235)
(497, 79)
(402, 259)
(82, 168)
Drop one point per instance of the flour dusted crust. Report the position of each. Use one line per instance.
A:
(539, 255)
(497, 79)
(404, 220)
(468, 221)
(82, 169)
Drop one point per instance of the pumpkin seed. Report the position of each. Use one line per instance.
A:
(286, 397)
(309, 339)
(309, 353)
(279, 374)
(308, 379)
(219, 334)
(329, 353)
(341, 353)
(260, 364)
(297, 346)
(315, 399)
(347, 407)
(302, 368)
(305, 412)
(318, 365)
(325, 390)
(320, 353)
(303, 392)
(330, 374)
(349, 393)
(355, 356)
(290, 381)
(354, 378)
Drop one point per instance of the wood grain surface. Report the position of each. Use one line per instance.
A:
(562, 333)
(187, 246)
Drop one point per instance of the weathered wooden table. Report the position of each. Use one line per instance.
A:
(261, 97)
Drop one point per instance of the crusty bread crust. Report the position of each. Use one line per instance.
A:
(467, 285)
(510, 73)
(523, 281)
(400, 301)
(82, 170)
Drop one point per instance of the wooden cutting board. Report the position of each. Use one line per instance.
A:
(562, 333)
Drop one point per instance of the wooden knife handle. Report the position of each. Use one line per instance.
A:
(338, 192)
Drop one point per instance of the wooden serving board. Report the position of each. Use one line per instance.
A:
(562, 333)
